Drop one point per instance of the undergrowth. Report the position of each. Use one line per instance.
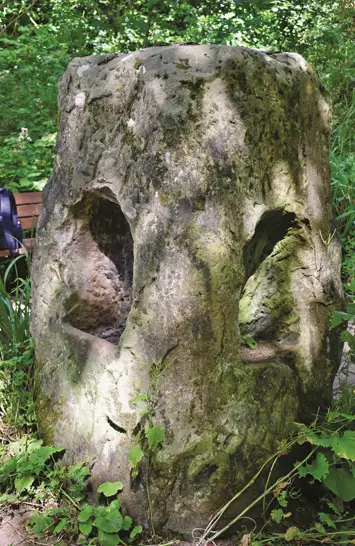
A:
(342, 160)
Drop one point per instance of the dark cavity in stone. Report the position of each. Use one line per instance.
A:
(272, 228)
(110, 232)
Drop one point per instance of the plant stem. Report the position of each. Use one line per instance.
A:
(219, 514)
(287, 477)
(148, 497)
(71, 500)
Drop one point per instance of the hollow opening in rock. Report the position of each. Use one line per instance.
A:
(102, 295)
(272, 228)
(265, 283)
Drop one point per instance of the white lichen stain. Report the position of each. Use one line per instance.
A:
(80, 100)
(82, 69)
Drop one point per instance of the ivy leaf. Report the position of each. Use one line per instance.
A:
(108, 540)
(325, 518)
(23, 483)
(111, 522)
(103, 524)
(135, 455)
(318, 468)
(135, 531)
(115, 518)
(115, 504)
(127, 523)
(155, 436)
(109, 489)
(86, 513)
(85, 528)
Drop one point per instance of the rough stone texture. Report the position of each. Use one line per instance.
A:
(189, 207)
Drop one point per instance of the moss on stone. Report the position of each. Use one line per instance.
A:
(47, 417)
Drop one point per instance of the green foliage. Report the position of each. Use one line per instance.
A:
(14, 311)
(155, 437)
(343, 187)
(249, 341)
(136, 455)
(25, 467)
(109, 489)
(31, 472)
(101, 525)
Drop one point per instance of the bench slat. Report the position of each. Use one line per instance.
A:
(29, 223)
(28, 208)
(24, 211)
(28, 198)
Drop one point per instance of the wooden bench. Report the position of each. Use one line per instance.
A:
(28, 209)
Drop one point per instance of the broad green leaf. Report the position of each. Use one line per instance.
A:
(341, 482)
(115, 517)
(115, 504)
(155, 436)
(345, 445)
(109, 489)
(86, 513)
(127, 523)
(111, 522)
(23, 483)
(325, 518)
(85, 528)
(338, 317)
(135, 531)
(135, 455)
(60, 526)
(108, 540)
(318, 468)
(104, 525)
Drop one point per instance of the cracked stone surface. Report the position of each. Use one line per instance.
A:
(188, 213)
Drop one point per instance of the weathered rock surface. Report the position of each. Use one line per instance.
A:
(189, 208)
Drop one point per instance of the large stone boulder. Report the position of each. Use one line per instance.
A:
(188, 216)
